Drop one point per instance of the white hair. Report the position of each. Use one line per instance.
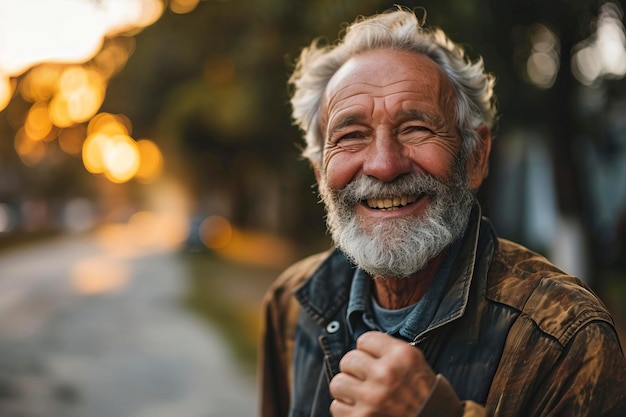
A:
(398, 29)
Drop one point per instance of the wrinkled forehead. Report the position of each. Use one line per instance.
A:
(387, 73)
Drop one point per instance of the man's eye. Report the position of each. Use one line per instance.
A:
(416, 128)
(351, 135)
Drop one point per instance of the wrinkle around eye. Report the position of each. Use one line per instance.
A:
(347, 144)
(427, 137)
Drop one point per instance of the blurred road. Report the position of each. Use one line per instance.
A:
(93, 327)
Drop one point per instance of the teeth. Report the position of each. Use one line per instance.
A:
(391, 203)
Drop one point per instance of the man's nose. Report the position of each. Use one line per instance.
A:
(386, 159)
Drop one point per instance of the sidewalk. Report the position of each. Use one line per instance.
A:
(90, 331)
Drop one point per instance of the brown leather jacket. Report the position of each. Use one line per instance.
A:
(559, 356)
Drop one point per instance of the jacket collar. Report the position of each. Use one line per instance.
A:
(328, 289)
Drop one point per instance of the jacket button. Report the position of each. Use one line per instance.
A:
(332, 327)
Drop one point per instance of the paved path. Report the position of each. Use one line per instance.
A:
(96, 330)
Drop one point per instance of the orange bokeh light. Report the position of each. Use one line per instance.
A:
(121, 159)
(30, 150)
(38, 125)
(109, 124)
(151, 161)
(7, 85)
(183, 6)
(79, 96)
(216, 232)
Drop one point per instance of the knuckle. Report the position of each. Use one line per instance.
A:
(386, 374)
(347, 359)
(337, 382)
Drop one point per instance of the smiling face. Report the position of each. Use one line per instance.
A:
(392, 177)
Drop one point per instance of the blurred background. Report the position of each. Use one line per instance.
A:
(151, 186)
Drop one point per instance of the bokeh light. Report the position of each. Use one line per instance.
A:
(121, 158)
(30, 150)
(50, 35)
(151, 161)
(110, 124)
(93, 150)
(110, 150)
(38, 125)
(183, 6)
(542, 65)
(79, 96)
(113, 55)
(61, 59)
(604, 53)
(216, 232)
(7, 85)
(41, 83)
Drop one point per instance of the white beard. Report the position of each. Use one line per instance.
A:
(397, 248)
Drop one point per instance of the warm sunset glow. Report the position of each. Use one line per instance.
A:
(110, 150)
(114, 55)
(216, 232)
(121, 158)
(71, 139)
(41, 83)
(30, 150)
(183, 6)
(79, 96)
(99, 275)
(149, 229)
(65, 30)
(117, 156)
(38, 124)
(142, 228)
(93, 149)
(151, 161)
(109, 124)
(6, 91)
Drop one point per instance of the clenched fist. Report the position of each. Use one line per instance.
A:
(383, 376)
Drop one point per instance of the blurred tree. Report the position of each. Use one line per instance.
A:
(210, 87)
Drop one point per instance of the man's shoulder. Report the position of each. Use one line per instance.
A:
(296, 275)
(559, 304)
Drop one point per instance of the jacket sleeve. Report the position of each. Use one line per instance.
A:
(273, 361)
(443, 401)
(589, 378)
(280, 318)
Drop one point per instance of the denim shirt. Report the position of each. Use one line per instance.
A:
(361, 317)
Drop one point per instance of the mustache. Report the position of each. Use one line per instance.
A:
(414, 184)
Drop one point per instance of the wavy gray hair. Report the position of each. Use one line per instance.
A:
(398, 29)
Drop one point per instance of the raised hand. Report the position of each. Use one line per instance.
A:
(383, 376)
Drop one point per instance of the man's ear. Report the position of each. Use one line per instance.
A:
(478, 164)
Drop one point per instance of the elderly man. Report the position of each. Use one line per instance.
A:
(421, 310)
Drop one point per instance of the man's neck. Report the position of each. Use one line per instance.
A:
(393, 294)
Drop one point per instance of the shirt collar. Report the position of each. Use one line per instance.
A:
(330, 286)
(359, 310)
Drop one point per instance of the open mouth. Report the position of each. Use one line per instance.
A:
(392, 203)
